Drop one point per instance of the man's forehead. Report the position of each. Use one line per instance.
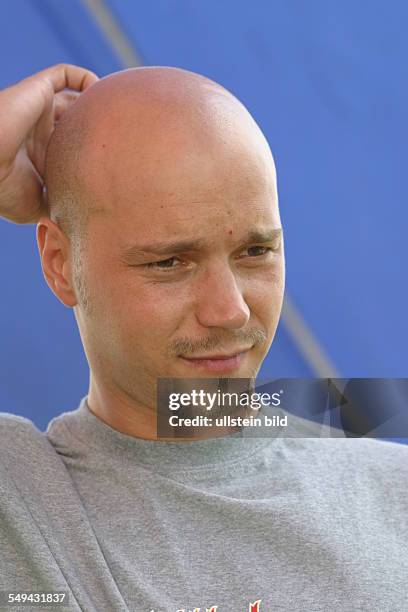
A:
(171, 216)
(179, 185)
(173, 172)
(155, 138)
(144, 163)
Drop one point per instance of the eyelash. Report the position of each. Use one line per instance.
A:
(154, 265)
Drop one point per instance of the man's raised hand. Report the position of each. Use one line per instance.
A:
(29, 111)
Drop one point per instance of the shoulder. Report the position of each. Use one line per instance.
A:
(19, 437)
(375, 449)
(331, 447)
(26, 456)
(14, 424)
(370, 458)
(21, 455)
(379, 453)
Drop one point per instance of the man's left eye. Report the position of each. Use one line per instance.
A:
(257, 251)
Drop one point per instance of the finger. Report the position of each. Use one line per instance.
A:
(23, 201)
(45, 126)
(21, 106)
(62, 101)
(68, 75)
(26, 101)
(38, 141)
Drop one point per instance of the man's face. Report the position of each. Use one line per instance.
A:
(185, 261)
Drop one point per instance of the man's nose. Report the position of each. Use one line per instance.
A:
(220, 301)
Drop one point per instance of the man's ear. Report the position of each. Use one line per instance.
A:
(54, 250)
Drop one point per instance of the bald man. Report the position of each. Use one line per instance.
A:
(154, 193)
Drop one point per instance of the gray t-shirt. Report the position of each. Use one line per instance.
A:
(122, 523)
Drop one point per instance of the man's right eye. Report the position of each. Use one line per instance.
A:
(164, 264)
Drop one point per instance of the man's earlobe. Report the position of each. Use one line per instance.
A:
(40, 233)
(54, 251)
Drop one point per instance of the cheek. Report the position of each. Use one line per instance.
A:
(265, 304)
(264, 297)
(145, 315)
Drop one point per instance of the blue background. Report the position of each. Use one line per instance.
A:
(326, 81)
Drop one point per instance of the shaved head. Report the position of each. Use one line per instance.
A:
(137, 119)
(164, 234)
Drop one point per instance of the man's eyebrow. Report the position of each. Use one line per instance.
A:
(162, 248)
(263, 236)
(182, 246)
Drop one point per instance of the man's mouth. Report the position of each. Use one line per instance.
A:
(218, 362)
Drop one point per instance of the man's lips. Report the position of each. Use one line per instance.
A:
(220, 362)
